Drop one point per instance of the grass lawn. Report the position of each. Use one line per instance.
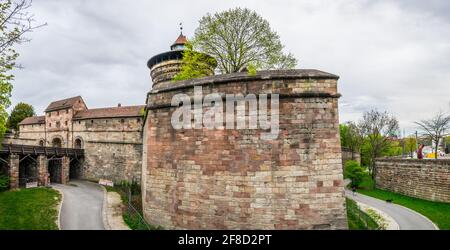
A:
(437, 212)
(34, 208)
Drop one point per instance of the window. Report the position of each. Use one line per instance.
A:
(92, 121)
(139, 120)
(67, 111)
(58, 124)
(50, 124)
(57, 112)
(78, 143)
(50, 114)
(67, 123)
(122, 120)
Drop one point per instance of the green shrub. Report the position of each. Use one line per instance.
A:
(4, 182)
(354, 172)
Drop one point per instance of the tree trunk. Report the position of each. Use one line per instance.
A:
(436, 149)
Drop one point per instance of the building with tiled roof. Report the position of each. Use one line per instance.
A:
(33, 120)
(113, 112)
(73, 102)
(111, 137)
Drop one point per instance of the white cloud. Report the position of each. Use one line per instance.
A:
(390, 55)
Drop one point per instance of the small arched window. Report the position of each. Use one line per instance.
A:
(78, 143)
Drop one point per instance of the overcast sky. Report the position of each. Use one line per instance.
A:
(390, 55)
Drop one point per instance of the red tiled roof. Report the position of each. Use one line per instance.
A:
(126, 111)
(63, 104)
(180, 40)
(33, 120)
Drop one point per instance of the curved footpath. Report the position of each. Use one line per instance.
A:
(405, 217)
(82, 206)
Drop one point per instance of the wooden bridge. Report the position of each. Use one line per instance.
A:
(7, 149)
(39, 164)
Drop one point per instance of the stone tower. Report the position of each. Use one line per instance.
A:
(231, 178)
(163, 67)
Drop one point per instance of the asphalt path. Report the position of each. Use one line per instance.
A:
(406, 218)
(82, 207)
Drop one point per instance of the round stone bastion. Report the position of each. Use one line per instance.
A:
(240, 178)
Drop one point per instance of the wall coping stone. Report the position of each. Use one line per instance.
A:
(425, 161)
(244, 76)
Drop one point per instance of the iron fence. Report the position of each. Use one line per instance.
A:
(369, 222)
(133, 214)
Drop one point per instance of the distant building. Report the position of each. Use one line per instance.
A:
(111, 137)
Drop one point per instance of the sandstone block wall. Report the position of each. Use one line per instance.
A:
(231, 179)
(425, 179)
(113, 148)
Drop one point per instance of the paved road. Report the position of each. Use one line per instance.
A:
(406, 219)
(82, 206)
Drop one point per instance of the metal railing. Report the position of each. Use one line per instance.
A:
(133, 213)
(364, 218)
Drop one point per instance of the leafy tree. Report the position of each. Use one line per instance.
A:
(394, 148)
(195, 64)
(15, 22)
(377, 128)
(351, 137)
(354, 172)
(410, 145)
(19, 112)
(434, 129)
(239, 38)
(343, 131)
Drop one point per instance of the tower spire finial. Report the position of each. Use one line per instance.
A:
(181, 28)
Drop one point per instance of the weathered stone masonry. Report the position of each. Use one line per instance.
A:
(111, 138)
(231, 179)
(425, 179)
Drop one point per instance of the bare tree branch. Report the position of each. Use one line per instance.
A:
(377, 127)
(435, 128)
